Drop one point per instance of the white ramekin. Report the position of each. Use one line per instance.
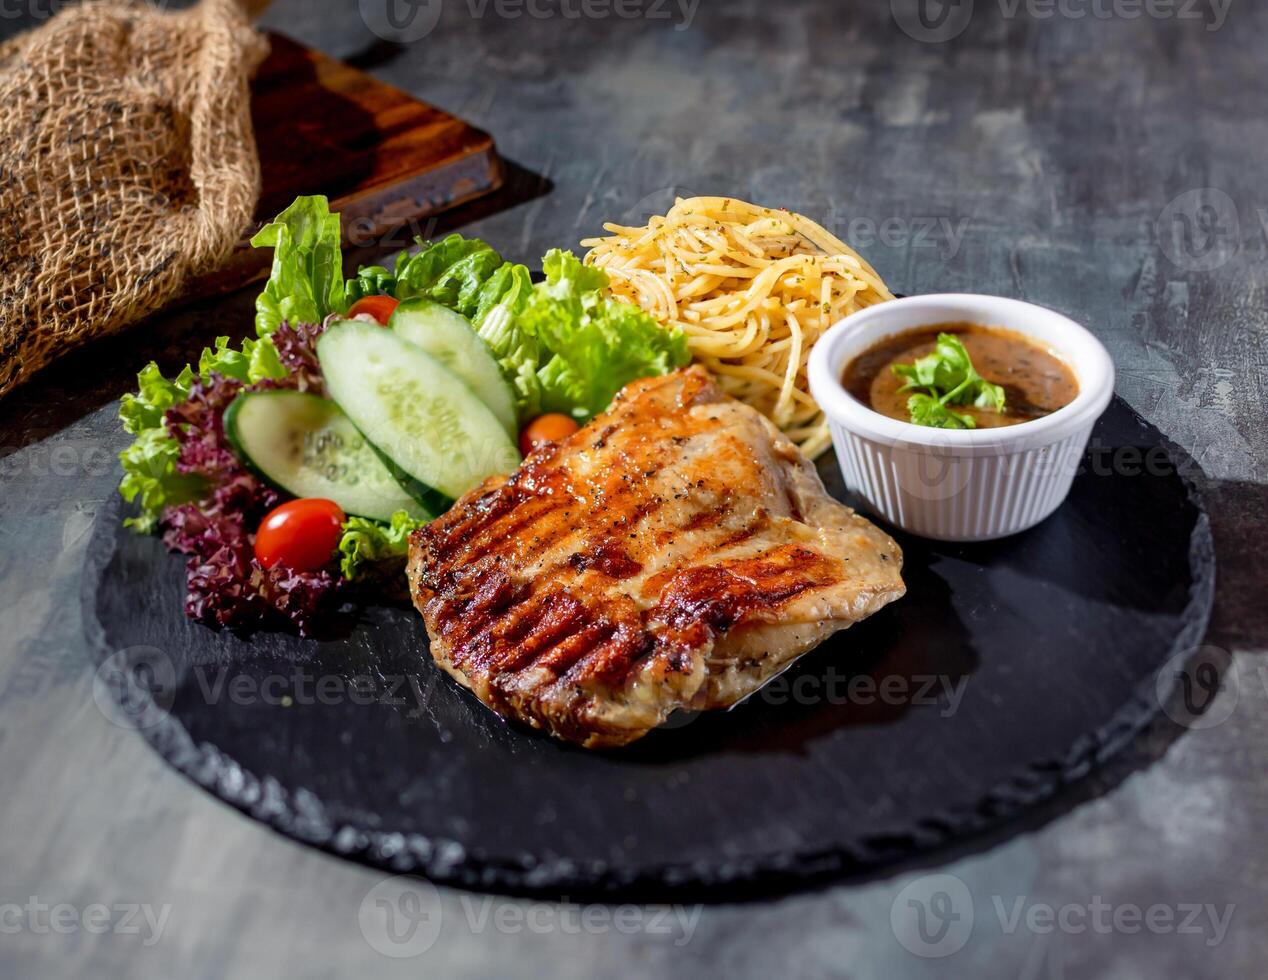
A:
(960, 484)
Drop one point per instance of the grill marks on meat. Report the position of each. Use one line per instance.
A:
(722, 595)
(676, 552)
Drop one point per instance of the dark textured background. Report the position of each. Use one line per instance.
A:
(1069, 151)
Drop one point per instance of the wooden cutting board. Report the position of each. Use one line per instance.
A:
(383, 157)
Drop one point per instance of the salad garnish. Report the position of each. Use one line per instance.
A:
(568, 346)
(462, 319)
(375, 548)
(947, 377)
(306, 282)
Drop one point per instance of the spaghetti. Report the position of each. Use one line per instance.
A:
(752, 288)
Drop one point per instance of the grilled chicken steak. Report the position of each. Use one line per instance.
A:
(677, 552)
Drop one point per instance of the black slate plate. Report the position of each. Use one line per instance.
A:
(862, 753)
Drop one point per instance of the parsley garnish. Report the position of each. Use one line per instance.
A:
(947, 377)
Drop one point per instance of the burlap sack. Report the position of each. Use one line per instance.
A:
(127, 167)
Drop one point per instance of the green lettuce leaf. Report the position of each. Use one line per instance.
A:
(465, 274)
(149, 463)
(254, 361)
(451, 272)
(566, 346)
(306, 282)
(373, 543)
(155, 395)
(508, 288)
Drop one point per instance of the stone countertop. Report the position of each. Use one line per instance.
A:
(1105, 159)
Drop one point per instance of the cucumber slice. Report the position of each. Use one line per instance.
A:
(440, 439)
(305, 446)
(450, 338)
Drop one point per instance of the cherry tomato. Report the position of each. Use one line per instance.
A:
(544, 430)
(300, 534)
(379, 307)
